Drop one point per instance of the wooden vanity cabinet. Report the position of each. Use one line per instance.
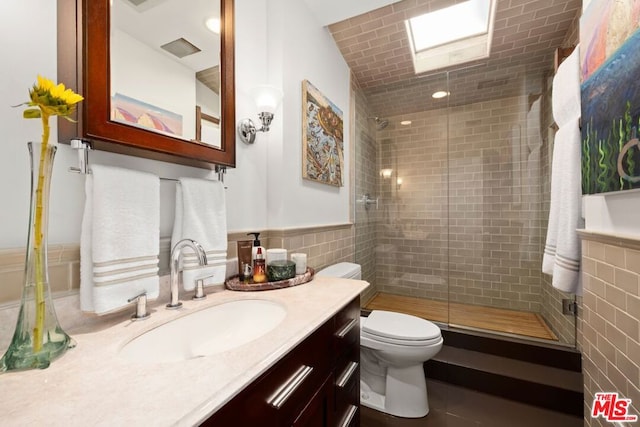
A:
(317, 384)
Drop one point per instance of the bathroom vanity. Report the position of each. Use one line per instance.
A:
(304, 372)
(315, 384)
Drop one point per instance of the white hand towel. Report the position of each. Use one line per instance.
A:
(201, 215)
(120, 238)
(562, 249)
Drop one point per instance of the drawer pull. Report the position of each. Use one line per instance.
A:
(345, 330)
(346, 374)
(286, 390)
(349, 417)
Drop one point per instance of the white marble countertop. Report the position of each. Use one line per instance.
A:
(91, 385)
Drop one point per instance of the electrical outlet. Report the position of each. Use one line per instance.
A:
(569, 307)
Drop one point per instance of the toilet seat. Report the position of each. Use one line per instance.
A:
(400, 329)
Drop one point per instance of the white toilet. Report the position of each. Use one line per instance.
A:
(393, 347)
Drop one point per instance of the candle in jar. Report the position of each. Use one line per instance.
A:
(301, 262)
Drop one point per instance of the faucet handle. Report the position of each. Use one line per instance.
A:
(141, 306)
(199, 294)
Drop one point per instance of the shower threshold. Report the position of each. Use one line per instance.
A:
(503, 321)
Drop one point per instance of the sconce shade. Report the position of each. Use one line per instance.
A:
(267, 98)
(386, 173)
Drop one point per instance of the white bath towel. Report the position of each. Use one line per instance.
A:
(119, 245)
(201, 215)
(562, 249)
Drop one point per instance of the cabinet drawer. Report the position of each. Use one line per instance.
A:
(347, 328)
(346, 386)
(316, 412)
(286, 389)
(279, 395)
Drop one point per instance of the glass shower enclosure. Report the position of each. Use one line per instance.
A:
(452, 201)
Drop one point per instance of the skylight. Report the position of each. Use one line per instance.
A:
(452, 35)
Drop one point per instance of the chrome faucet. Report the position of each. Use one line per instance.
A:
(175, 267)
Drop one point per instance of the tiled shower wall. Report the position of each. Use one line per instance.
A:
(484, 237)
(412, 230)
(610, 338)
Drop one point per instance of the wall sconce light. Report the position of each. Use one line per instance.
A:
(267, 100)
(386, 173)
(398, 183)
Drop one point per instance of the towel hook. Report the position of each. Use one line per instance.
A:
(220, 170)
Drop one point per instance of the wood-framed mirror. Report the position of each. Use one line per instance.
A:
(121, 77)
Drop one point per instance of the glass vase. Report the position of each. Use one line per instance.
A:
(38, 338)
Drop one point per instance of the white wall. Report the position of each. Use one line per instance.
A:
(614, 213)
(300, 48)
(310, 53)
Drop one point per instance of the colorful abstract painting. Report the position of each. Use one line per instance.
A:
(322, 138)
(138, 113)
(610, 66)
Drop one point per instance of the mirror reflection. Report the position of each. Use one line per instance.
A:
(165, 67)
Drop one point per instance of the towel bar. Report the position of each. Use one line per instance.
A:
(84, 146)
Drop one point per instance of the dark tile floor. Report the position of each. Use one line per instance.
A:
(452, 406)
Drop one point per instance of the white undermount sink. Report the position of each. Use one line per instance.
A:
(206, 332)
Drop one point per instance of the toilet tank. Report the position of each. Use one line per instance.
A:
(344, 270)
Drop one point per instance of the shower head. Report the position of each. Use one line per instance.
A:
(380, 123)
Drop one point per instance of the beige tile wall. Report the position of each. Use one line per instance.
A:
(411, 256)
(64, 270)
(468, 212)
(610, 338)
(324, 245)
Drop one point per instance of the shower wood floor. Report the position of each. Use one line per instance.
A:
(466, 315)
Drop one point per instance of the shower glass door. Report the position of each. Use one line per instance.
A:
(403, 165)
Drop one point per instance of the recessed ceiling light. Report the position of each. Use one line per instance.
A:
(440, 94)
(213, 24)
(405, 122)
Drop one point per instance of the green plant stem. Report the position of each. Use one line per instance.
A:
(38, 232)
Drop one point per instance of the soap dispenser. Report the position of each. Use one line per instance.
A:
(256, 245)
(259, 268)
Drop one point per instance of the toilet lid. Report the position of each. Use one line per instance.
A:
(399, 326)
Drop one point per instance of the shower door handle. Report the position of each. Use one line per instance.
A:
(367, 200)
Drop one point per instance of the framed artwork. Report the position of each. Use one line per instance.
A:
(137, 113)
(322, 138)
(610, 92)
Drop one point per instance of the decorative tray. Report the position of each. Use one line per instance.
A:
(235, 284)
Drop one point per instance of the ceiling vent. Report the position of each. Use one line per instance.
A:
(180, 48)
(144, 5)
